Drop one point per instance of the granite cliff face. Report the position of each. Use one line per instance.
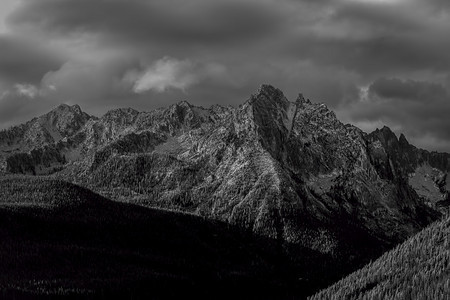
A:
(290, 171)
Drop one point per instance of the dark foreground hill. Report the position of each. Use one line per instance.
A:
(63, 240)
(416, 269)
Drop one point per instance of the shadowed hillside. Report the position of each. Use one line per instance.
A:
(61, 239)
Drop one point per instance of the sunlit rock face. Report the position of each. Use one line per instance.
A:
(286, 170)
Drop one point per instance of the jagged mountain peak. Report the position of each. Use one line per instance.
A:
(301, 99)
(392, 143)
(269, 94)
(388, 131)
(60, 123)
(267, 88)
(64, 119)
(62, 106)
(385, 135)
(403, 141)
(65, 106)
(77, 109)
(180, 107)
(183, 103)
(66, 111)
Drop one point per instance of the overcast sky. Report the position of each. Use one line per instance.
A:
(375, 62)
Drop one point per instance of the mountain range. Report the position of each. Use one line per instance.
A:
(287, 171)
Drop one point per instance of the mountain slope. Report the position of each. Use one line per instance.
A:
(287, 171)
(27, 148)
(63, 240)
(61, 122)
(417, 269)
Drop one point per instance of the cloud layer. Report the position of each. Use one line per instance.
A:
(375, 62)
(168, 73)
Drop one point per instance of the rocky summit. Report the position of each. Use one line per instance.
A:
(289, 171)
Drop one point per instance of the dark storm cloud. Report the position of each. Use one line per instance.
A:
(378, 55)
(23, 60)
(366, 37)
(440, 5)
(149, 21)
(374, 39)
(359, 36)
(394, 88)
(205, 33)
